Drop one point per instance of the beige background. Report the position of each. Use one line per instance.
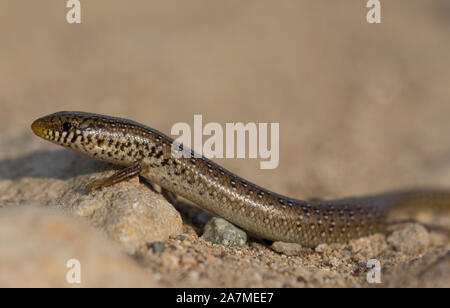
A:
(362, 108)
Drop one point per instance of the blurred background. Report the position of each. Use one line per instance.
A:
(362, 107)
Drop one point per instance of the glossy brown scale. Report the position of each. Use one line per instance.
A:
(146, 152)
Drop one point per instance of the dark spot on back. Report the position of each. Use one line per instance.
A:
(100, 142)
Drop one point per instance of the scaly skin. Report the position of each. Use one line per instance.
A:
(262, 212)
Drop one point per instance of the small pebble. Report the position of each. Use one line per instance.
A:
(290, 249)
(413, 238)
(156, 247)
(220, 231)
(323, 248)
(188, 260)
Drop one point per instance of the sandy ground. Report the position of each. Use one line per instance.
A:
(362, 108)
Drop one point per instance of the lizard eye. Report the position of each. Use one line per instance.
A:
(66, 126)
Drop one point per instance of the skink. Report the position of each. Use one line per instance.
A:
(147, 152)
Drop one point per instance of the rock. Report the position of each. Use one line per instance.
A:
(128, 212)
(36, 243)
(413, 238)
(220, 231)
(290, 249)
